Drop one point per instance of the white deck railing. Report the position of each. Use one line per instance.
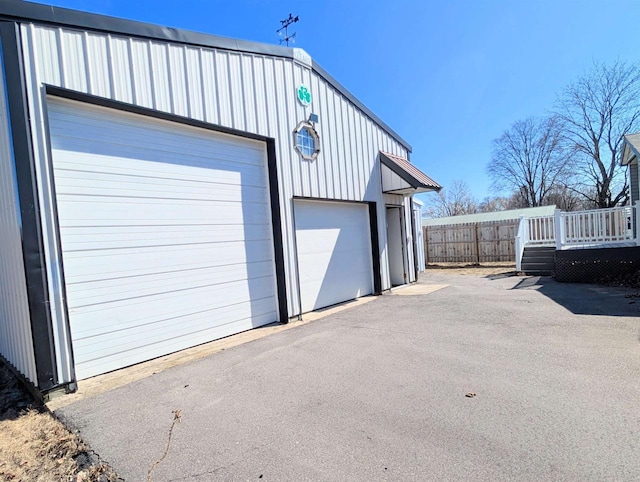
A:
(541, 230)
(595, 228)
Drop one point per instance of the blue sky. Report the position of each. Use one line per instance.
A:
(449, 76)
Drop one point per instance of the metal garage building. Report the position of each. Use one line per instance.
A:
(162, 188)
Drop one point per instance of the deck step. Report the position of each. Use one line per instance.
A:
(539, 260)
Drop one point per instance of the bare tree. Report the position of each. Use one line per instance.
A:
(596, 111)
(493, 204)
(451, 201)
(501, 203)
(529, 160)
(567, 198)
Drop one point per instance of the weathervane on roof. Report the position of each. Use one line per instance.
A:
(284, 30)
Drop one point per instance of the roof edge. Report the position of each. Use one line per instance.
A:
(628, 144)
(20, 10)
(329, 78)
(407, 176)
(404, 175)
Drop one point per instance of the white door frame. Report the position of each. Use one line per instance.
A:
(402, 240)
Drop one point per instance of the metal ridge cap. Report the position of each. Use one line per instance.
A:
(30, 11)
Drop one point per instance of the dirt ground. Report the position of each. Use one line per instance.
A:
(35, 446)
(468, 269)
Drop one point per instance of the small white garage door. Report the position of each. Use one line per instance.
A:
(334, 252)
(165, 230)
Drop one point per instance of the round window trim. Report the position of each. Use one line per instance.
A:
(306, 141)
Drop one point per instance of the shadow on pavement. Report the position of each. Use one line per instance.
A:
(585, 299)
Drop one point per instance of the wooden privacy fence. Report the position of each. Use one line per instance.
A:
(484, 242)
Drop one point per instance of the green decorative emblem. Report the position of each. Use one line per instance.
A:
(304, 96)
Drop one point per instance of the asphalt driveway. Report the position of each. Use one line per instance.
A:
(377, 392)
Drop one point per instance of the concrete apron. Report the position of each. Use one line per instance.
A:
(109, 381)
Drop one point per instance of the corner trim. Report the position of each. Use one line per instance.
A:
(276, 220)
(375, 247)
(55, 223)
(32, 239)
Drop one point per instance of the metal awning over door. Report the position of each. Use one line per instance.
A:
(399, 176)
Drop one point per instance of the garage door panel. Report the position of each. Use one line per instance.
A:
(102, 210)
(116, 343)
(120, 186)
(173, 324)
(96, 363)
(119, 237)
(334, 252)
(336, 269)
(358, 257)
(340, 290)
(165, 233)
(97, 127)
(161, 308)
(83, 266)
(168, 147)
(148, 154)
(109, 290)
(178, 324)
(146, 170)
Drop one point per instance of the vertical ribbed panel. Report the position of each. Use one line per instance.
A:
(178, 85)
(37, 65)
(142, 80)
(120, 69)
(74, 69)
(16, 343)
(160, 77)
(209, 92)
(98, 76)
(194, 83)
(244, 91)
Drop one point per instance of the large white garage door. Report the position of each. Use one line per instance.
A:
(334, 252)
(165, 230)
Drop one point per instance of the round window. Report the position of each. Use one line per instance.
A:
(306, 141)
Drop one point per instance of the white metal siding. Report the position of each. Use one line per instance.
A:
(633, 182)
(391, 181)
(334, 252)
(16, 343)
(166, 234)
(238, 90)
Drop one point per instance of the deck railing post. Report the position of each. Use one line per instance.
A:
(557, 228)
(521, 241)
